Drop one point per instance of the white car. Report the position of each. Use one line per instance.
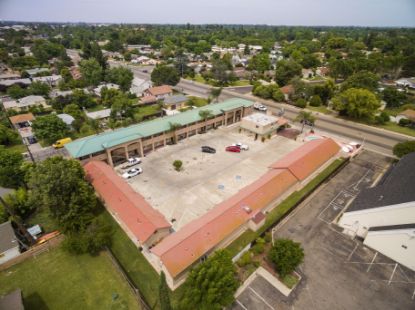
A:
(260, 107)
(132, 161)
(132, 173)
(243, 147)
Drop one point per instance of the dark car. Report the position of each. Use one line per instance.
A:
(208, 149)
(234, 149)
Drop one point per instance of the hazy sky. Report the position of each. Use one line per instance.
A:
(273, 12)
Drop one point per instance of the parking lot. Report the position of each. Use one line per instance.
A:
(338, 272)
(206, 179)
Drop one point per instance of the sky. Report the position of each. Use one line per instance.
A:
(391, 13)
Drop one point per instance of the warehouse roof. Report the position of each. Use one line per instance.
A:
(396, 187)
(129, 206)
(97, 143)
(303, 161)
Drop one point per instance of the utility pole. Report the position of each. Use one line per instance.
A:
(20, 226)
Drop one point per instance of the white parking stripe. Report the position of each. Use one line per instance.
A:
(394, 269)
(371, 263)
(260, 297)
(241, 304)
(351, 254)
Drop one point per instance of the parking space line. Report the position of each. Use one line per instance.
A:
(351, 253)
(393, 272)
(413, 295)
(241, 304)
(260, 297)
(371, 263)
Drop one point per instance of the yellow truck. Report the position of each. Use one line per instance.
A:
(61, 142)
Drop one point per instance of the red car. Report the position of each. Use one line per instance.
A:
(234, 149)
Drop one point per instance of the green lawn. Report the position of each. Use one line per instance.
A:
(98, 107)
(144, 111)
(396, 128)
(21, 148)
(240, 83)
(134, 263)
(57, 280)
(321, 109)
(290, 281)
(198, 101)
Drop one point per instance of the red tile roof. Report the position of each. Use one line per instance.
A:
(21, 118)
(129, 206)
(306, 159)
(160, 90)
(287, 89)
(181, 249)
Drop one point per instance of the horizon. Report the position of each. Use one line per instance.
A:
(318, 13)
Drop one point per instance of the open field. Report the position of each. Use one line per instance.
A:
(206, 179)
(57, 280)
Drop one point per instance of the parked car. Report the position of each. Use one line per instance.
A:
(232, 148)
(132, 173)
(260, 107)
(243, 147)
(131, 162)
(208, 149)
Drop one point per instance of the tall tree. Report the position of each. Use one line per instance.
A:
(163, 74)
(91, 71)
(11, 172)
(211, 284)
(356, 103)
(286, 256)
(305, 118)
(120, 76)
(49, 128)
(286, 70)
(362, 79)
(205, 115)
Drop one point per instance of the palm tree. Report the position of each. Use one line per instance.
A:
(205, 115)
(304, 118)
(173, 128)
(215, 93)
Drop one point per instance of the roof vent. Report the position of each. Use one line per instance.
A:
(247, 209)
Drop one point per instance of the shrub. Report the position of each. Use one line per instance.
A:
(259, 246)
(315, 101)
(301, 103)
(245, 259)
(405, 122)
(262, 139)
(268, 237)
(403, 148)
(177, 164)
(286, 256)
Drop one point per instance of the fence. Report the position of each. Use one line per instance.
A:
(33, 252)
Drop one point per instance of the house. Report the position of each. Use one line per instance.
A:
(66, 118)
(75, 72)
(139, 86)
(101, 114)
(4, 84)
(384, 215)
(51, 80)
(288, 91)
(175, 102)
(60, 93)
(12, 301)
(160, 92)
(307, 73)
(9, 245)
(262, 125)
(406, 82)
(322, 71)
(25, 102)
(9, 76)
(35, 71)
(407, 114)
(147, 100)
(97, 90)
(23, 124)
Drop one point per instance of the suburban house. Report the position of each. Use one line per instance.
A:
(288, 91)
(407, 114)
(98, 89)
(261, 125)
(175, 102)
(9, 245)
(384, 215)
(139, 86)
(160, 92)
(23, 124)
(138, 140)
(51, 80)
(36, 71)
(66, 118)
(4, 84)
(217, 228)
(101, 114)
(322, 71)
(307, 73)
(60, 93)
(12, 301)
(75, 72)
(9, 76)
(25, 102)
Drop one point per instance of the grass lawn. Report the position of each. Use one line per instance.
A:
(21, 148)
(198, 101)
(282, 209)
(42, 217)
(57, 280)
(97, 108)
(290, 281)
(134, 263)
(396, 128)
(144, 111)
(240, 83)
(321, 109)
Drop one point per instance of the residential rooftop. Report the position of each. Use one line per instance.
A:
(98, 143)
(261, 119)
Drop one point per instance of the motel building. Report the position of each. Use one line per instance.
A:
(117, 146)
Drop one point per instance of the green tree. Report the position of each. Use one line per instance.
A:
(121, 107)
(205, 115)
(8, 136)
(403, 148)
(315, 101)
(163, 74)
(173, 128)
(325, 92)
(356, 103)
(277, 95)
(362, 79)
(215, 93)
(393, 97)
(49, 128)
(16, 92)
(177, 164)
(286, 70)
(259, 63)
(120, 76)
(286, 256)
(91, 71)
(82, 99)
(305, 118)
(59, 184)
(11, 172)
(18, 201)
(164, 293)
(211, 284)
(39, 89)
